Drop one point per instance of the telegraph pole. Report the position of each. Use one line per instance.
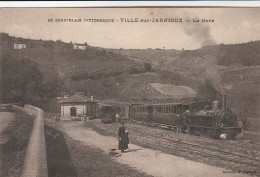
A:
(19, 77)
(1, 72)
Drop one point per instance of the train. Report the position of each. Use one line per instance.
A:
(197, 118)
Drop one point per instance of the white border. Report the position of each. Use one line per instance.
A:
(129, 3)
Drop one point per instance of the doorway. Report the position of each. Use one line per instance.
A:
(73, 111)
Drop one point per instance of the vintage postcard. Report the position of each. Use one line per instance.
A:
(165, 92)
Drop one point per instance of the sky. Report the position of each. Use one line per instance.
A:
(230, 26)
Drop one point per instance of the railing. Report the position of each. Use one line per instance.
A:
(35, 164)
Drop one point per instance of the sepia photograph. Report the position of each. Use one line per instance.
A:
(130, 92)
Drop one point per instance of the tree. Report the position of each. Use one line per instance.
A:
(147, 67)
(21, 78)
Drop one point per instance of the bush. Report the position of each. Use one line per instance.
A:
(132, 70)
(147, 67)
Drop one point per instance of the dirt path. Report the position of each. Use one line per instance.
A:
(145, 160)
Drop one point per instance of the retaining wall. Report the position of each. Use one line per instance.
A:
(35, 164)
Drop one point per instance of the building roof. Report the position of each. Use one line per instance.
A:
(80, 44)
(113, 103)
(77, 98)
(172, 90)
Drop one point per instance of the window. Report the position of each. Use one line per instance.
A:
(170, 110)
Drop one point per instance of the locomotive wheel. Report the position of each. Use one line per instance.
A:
(231, 134)
(212, 134)
(191, 130)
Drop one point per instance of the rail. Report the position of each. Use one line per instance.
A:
(35, 163)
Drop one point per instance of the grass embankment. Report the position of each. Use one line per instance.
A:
(17, 136)
(58, 157)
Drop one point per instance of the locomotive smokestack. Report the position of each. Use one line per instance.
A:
(224, 102)
(215, 106)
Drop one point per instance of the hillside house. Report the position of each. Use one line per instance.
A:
(78, 105)
(80, 46)
(19, 46)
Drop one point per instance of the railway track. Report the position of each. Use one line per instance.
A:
(221, 154)
(203, 151)
(181, 148)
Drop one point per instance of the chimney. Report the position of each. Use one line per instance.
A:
(224, 102)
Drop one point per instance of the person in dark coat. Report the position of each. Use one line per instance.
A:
(123, 138)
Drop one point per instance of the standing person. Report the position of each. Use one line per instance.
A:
(85, 118)
(117, 117)
(179, 123)
(123, 138)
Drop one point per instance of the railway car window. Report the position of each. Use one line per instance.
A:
(94, 109)
(155, 110)
(159, 109)
(175, 109)
(186, 107)
(178, 109)
(172, 110)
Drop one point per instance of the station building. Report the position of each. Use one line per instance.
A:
(78, 105)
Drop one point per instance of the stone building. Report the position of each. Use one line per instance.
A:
(79, 46)
(19, 46)
(78, 105)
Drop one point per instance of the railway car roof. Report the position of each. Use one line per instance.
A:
(162, 104)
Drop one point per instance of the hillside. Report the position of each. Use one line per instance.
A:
(130, 75)
(232, 69)
(95, 71)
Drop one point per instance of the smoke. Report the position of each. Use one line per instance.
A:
(200, 32)
(212, 73)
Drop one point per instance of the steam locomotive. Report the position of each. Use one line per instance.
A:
(195, 118)
(216, 123)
